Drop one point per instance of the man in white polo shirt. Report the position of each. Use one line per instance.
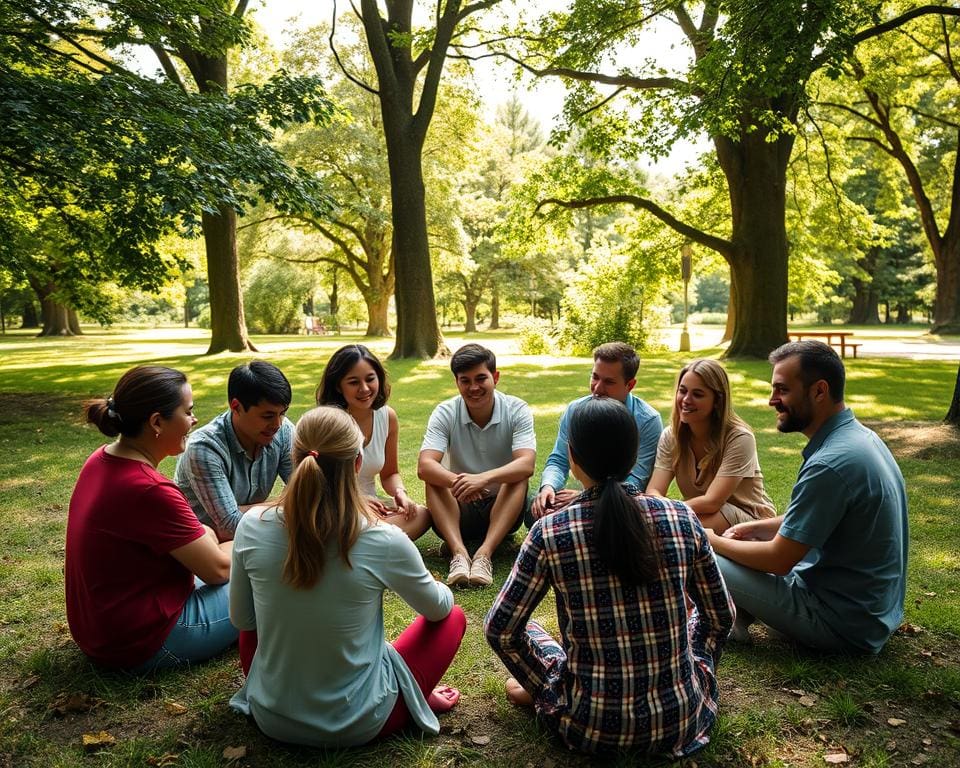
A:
(488, 440)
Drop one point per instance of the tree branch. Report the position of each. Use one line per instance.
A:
(336, 54)
(903, 18)
(168, 67)
(626, 81)
(718, 244)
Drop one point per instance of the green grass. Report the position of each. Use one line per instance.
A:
(43, 443)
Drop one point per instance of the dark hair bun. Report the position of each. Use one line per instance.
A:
(99, 414)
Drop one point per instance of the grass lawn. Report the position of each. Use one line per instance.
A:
(780, 706)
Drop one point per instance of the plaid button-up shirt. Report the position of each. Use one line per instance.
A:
(633, 668)
(217, 476)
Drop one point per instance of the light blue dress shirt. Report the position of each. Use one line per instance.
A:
(649, 424)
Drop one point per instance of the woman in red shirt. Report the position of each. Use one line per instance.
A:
(146, 583)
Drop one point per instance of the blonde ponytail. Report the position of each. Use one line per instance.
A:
(322, 504)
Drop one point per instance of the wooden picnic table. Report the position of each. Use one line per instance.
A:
(840, 336)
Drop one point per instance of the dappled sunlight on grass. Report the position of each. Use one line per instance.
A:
(932, 558)
(42, 383)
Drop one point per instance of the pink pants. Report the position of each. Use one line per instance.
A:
(427, 647)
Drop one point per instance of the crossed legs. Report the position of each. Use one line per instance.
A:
(504, 517)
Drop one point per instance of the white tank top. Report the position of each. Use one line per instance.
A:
(373, 452)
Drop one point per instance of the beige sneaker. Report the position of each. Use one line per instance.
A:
(481, 571)
(459, 571)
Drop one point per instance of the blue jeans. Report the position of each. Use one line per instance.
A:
(783, 604)
(202, 631)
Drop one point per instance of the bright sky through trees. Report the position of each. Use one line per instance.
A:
(542, 97)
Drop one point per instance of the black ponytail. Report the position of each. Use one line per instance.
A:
(603, 441)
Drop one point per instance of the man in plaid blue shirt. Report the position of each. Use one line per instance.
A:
(233, 462)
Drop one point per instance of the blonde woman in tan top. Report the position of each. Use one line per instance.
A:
(711, 452)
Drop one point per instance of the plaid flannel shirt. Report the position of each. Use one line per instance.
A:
(217, 476)
(635, 669)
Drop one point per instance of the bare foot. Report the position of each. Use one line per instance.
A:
(443, 698)
(517, 694)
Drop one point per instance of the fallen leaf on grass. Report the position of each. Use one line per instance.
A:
(173, 708)
(808, 701)
(64, 703)
(480, 741)
(29, 681)
(895, 722)
(909, 629)
(92, 741)
(234, 753)
(163, 761)
(836, 756)
(919, 760)
(891, 746)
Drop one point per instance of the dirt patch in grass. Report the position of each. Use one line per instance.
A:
(42, 408)
(922, 440)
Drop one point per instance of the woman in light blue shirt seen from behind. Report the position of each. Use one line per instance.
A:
(309, 577)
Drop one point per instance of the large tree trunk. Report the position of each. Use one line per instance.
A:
(418, 334)
(953, 415)
(728, 326)
(755, 169)
(377, 305)
(470, 310)
(57, 319)
(494, 307)
(227, 323)
(946, 308)
(228, 327)
(30, 317)
(866, 301)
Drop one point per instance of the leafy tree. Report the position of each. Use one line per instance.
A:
(909, 98)
(275, 295)
(500, 157)
(350, 155)
(713, 292)
(409, 63)
(137, 156)
(744, 87)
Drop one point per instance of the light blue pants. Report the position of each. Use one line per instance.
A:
(783, 604)
(202, 631)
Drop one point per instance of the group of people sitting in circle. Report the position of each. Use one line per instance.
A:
(165, 573)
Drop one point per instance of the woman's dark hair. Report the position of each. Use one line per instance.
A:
(339, 365)
(141, 392)
(603, 441)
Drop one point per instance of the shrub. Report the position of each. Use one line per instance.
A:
(273, 301)
(536, 337)
(608, 299)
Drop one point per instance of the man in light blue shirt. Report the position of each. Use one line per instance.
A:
(614, 375)
(831, 572)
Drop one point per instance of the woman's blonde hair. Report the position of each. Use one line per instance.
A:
(722, 420)
(322, 503)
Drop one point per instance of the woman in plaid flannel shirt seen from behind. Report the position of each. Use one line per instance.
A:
(634, 668)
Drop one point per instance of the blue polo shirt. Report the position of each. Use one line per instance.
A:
(850, 507)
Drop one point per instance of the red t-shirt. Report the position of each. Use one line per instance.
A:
(125, 591)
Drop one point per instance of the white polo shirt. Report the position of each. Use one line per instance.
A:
(469, 448)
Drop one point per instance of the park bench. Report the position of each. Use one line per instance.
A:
(833, 338)
(838, 339)
(313, 325)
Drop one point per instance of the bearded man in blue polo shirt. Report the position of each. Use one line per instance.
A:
(830, 573)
